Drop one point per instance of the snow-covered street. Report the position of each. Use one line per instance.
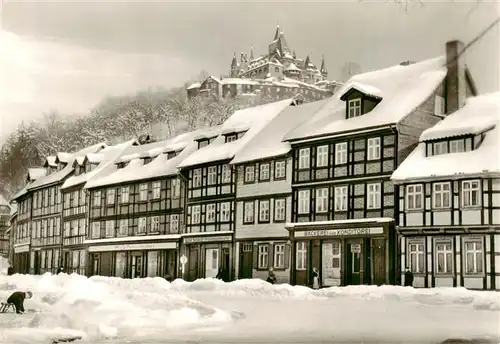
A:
(113, 310)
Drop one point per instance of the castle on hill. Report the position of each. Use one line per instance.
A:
(279, 73)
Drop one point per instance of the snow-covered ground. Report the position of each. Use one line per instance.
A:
(113, 310)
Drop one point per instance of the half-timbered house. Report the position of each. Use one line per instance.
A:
(344, 203)
(137, 211)
(22, 230)
(449, 195)
(46, 210)
(264, 197)
(211, 192)
(75, 204)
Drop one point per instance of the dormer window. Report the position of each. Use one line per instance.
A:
(171, 155)
(147, 160)
(202, 143)
(231, 138)
(354, 108)
(121, 165)
(440, 148)
(456, 145)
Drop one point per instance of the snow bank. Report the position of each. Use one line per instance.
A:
(152, 309)
(4, 265)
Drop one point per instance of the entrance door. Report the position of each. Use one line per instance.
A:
(38, 260)
(331, 273)
(67, 261)
(315, 259)
(136, 266)
(354, 260)
(211, 262)
(246, 260)
(378, 261)
(95, 265)
(193, 264)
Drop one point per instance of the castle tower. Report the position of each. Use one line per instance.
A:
(323, 70)
(234, 67)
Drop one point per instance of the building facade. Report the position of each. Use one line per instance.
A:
(344, 202)
(449, 195)
(4, 226)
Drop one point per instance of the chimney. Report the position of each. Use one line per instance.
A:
(455, 84)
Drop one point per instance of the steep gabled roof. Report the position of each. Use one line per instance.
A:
(402, 89)
(480, 114)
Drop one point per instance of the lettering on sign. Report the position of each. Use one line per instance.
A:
(340, 232)
(195, 240)
(133, 247)
(22, 248)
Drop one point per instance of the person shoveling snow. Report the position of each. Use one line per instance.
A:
(17, 300)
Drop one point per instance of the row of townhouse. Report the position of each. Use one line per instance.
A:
(358, 186)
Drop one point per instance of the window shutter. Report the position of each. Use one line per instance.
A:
(270, 256)
(255, 256)
(287, 257)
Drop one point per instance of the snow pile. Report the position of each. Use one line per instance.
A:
(102, 308)
(480, 114)
(4, 265)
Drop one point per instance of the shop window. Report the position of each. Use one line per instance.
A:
(301, 255)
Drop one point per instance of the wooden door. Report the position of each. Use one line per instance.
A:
(212, 257)
(95, 265)
(136, 265)
(37, 262)
(378, 261)
(246, 260)
(192, 273)
(301, 262)
(354, 262)
(315, 260)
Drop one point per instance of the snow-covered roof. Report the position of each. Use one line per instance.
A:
(59, 175)
(13, 209)
(256, 118)
(195, 85)
(366, 89)
(63, 157)
(480, 113)
(51, 161)
(141, 151)
(105, 158)
(268, 142)
(239, 81)
(35, 173)
(402, 89)
(21, 192)
(161, 166)
(79, 160)
(292, 66)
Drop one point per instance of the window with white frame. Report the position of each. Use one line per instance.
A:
(195, 214)
(125, 194)
(341, 198)
(142, 225)
(280, 169)
(354, 107)
(373, 196)
(416, 256)
(301, 255)
(322, 200)
(279, 256)
(322, 156)
(231, 138)
(249, 174)
(249, 212)
(143, 192)
(341, 153)
(374, 148)
(226, 174)
(441, 195)
(471, 193)
(303, 201)
(443, 255)
(155, 224)
(414, 197)
(156, 189)
(225, 212)
(212, 175)
(197, 178)
(457, 146)
(176, 188)
(123, 227)
(174, 223)
(474, 256)
(304, 157)
(279, 209)
(97, 198)
(110, 196)
(263, 256)
(96, 229)
(440, 148)
(263, 210)
(264, 171)
(210, 212)
(110, 228)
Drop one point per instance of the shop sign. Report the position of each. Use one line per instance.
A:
(196, 240)
(133, 247)
(355, 248)
(339, 232)
(22, 248)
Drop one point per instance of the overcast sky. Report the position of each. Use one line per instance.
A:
(68, 55)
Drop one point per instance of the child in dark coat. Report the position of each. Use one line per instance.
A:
(408, 277)
(271, 278)
(17, 299)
